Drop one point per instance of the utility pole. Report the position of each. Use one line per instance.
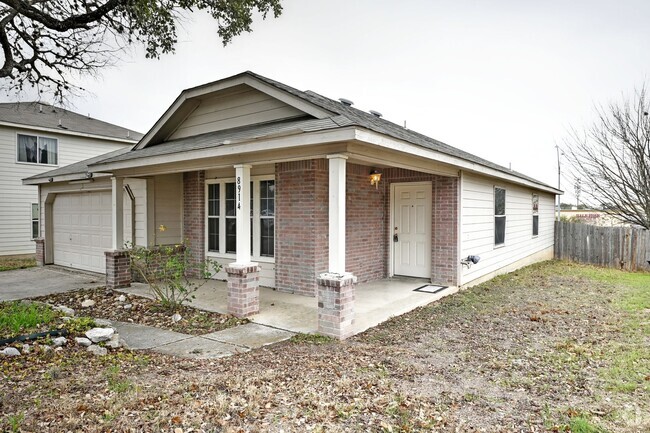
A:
(559, 197)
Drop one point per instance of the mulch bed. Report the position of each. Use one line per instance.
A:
(140, 310)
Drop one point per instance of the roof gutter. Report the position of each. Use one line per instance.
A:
(67, 132)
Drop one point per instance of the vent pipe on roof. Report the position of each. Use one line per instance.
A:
(346, 102)
(376, 113)
(128, 134)
(40, 108)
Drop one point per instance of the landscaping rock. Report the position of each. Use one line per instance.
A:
(10, 351)
(65, 310)
(97, 350)
(26, 348)
(58, 349)
(176, 318)
(87, 303)
(45, 348)
(127, 306)
(82, 341)
(114, 342)
(103, 323)
(59, 341)
(121, 298)
(100, 334)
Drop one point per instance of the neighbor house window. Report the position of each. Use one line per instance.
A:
(535, 214)
(35, 221)
(222, 217)
(37, 150)
(499, 216)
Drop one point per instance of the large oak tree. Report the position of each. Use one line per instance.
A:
(47, 44)
(612, 160)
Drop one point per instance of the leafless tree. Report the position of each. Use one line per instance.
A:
(612, 160)
(47, 44)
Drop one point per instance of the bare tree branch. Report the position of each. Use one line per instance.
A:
(45, 44)
(612, 160)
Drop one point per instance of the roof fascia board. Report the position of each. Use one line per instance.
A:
(67, 132)
(62, 178)
(382, 140)
(233, 148)
(188, 95)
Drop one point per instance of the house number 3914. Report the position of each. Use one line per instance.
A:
(238, 192)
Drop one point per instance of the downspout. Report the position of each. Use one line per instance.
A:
(129, 191)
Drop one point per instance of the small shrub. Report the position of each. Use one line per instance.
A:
(79, 325)
(311, 339)
(168, 271)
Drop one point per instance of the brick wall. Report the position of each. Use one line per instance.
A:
(194, 214)
(118, 269)
(301, 219)
(444, 255)
(366, 218)
(40, 251)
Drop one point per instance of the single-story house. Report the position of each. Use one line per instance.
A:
(35, 138)
(298, 192)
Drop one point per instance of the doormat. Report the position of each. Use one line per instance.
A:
(428, 288)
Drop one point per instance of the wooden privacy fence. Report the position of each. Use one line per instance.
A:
(615, 247)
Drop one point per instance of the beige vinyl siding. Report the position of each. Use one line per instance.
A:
(243, 106)
(16, 198)
(477, 225)
(168, 209)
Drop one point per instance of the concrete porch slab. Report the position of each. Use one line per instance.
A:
(250, 335)
(200, 348)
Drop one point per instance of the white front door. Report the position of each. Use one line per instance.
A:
(412, 229)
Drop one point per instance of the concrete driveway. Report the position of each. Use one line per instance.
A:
(26, 283)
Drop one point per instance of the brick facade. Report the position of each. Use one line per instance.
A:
(118, 269)
(243, 289)
(336, 305)
(40, 251)
(301, 221)
(366, 218)
(194, 214)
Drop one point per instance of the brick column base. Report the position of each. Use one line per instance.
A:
(40, 251)
(118, 269)
(243, 289)
(336, 304)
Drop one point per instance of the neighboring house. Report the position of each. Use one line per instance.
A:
(593, 217)
(34, 139)
(297, 192)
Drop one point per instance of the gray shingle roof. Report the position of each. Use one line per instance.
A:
(369, 121)
(244, 133)
(49, 116)
(80, 168)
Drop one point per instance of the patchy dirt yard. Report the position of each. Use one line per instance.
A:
(553, 347)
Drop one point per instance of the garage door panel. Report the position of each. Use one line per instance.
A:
(82, 230)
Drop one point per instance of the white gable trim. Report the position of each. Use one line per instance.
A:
(188, 101)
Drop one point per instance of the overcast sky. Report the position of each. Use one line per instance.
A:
(501, 79)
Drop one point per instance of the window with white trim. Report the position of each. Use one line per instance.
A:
(35, 221)
(535, 215)
(499, 216)
(37, 150)
(221, 215)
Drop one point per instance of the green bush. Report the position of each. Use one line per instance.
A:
(168, 270)
(23, 318)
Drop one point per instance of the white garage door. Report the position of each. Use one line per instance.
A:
(82, 230)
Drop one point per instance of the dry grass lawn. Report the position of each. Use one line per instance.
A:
(552, 347)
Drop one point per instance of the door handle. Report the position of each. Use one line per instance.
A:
(395, 238)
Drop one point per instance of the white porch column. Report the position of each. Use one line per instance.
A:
(337, 177)
(243, 213)
(117, 188)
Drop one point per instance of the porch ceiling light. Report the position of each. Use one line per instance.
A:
(375, 177)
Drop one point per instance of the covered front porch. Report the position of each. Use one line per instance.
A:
(375, 302)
